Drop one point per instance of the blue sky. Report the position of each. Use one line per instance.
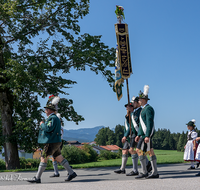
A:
(165, 54)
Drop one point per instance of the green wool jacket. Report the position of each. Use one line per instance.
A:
(50, 131)
(147, 115)
(134, 115)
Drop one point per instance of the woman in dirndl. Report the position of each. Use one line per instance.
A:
(190, 147)
(197, 157)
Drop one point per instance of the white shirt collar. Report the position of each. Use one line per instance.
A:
(136, 109)
(144, 106)
(50, 115)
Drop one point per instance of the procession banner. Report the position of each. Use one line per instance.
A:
(118, 77)
(123, 50)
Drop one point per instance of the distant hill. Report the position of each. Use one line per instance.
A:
(81, 135)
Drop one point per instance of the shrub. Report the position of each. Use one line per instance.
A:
(75, 155)
(23, 162)
(107, 155)
(32, 163)
(2, 165)
(91, 153)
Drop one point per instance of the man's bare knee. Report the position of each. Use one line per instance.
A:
(59, 158)
(44, 160)
(132, 151)
(125, 151)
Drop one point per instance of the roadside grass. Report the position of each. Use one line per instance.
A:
(163, 157)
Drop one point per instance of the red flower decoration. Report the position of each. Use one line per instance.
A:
(51, 96)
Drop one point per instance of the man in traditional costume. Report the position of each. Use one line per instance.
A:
(50, 135)
(144, 136)
(129, 142)
(190, 147)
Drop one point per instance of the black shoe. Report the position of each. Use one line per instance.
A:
(34, 180)
(152, 176)
(132, 173)
(119, 171)
(197, 165)
(198, 174)
(191, 168)
(141, 176)
(149, 167)
(71, 177)
(55, 175)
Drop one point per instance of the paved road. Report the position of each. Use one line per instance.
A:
(172, 176)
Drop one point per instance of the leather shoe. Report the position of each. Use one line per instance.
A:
(55, 175)
(119, 171)
(34, 180)
(197, 165)
(141, 176)
(152, 176)
(132, 173)
(149, 167)
(198, 174)
(191, 168)
(70, 177)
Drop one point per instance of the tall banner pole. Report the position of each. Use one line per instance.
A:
(123, 68)
(129, 113)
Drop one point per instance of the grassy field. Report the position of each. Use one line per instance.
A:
(163, 157)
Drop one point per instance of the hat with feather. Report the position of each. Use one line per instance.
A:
(134, 99)
(52, 103)
(144, 95)
(191, 123)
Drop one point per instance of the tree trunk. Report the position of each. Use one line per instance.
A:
(10, 148)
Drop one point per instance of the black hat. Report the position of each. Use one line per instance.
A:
(191, 123)
(50, 106)
(52, 102)
(130, 104)
(134, 99)
(144, 95)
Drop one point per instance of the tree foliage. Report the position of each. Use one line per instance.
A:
(163, 139)
(106, 136)
(32, 68)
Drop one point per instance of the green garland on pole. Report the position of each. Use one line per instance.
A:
(119, 11)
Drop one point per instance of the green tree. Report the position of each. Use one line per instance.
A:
(181, 142)
(110, 136)
(101, 137)
(27, 72)
(176, 138)
(165, 143)
(105, 136)
(119, 133)
(157, 139)
(172, 143)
